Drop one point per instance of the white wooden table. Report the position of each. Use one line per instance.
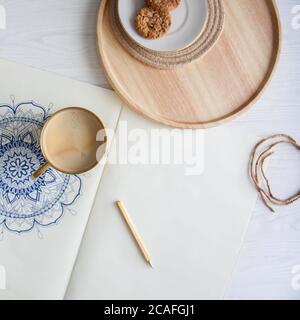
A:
(59, 36)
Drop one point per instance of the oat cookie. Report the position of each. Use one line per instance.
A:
(152, 24)
(163, 4)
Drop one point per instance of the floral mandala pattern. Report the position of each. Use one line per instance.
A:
(26, 203)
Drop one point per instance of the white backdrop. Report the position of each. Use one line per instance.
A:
(59, 36)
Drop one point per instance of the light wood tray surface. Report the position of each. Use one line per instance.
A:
(210, 90)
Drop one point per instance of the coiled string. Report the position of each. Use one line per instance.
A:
(257, 169)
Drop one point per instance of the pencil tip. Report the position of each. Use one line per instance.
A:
(118, 204)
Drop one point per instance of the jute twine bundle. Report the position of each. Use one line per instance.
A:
(171, 60)
(257, 169)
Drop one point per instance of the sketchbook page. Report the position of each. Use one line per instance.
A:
(191, 217)
(41, 222)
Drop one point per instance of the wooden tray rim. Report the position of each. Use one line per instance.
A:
(192, 125)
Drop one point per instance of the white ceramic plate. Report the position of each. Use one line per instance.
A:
(188, 21)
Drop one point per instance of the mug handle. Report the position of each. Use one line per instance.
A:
(41, 170)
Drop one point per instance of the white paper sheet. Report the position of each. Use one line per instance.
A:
(193, 226)
(37, 268)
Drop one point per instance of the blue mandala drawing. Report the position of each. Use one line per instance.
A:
(26, 203)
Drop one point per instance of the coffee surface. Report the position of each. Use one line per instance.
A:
(69, 140)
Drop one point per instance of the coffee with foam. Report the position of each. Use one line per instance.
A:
(69, 140)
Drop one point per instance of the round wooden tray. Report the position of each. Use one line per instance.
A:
(210, 90)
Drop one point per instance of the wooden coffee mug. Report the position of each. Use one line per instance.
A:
(69, 141)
